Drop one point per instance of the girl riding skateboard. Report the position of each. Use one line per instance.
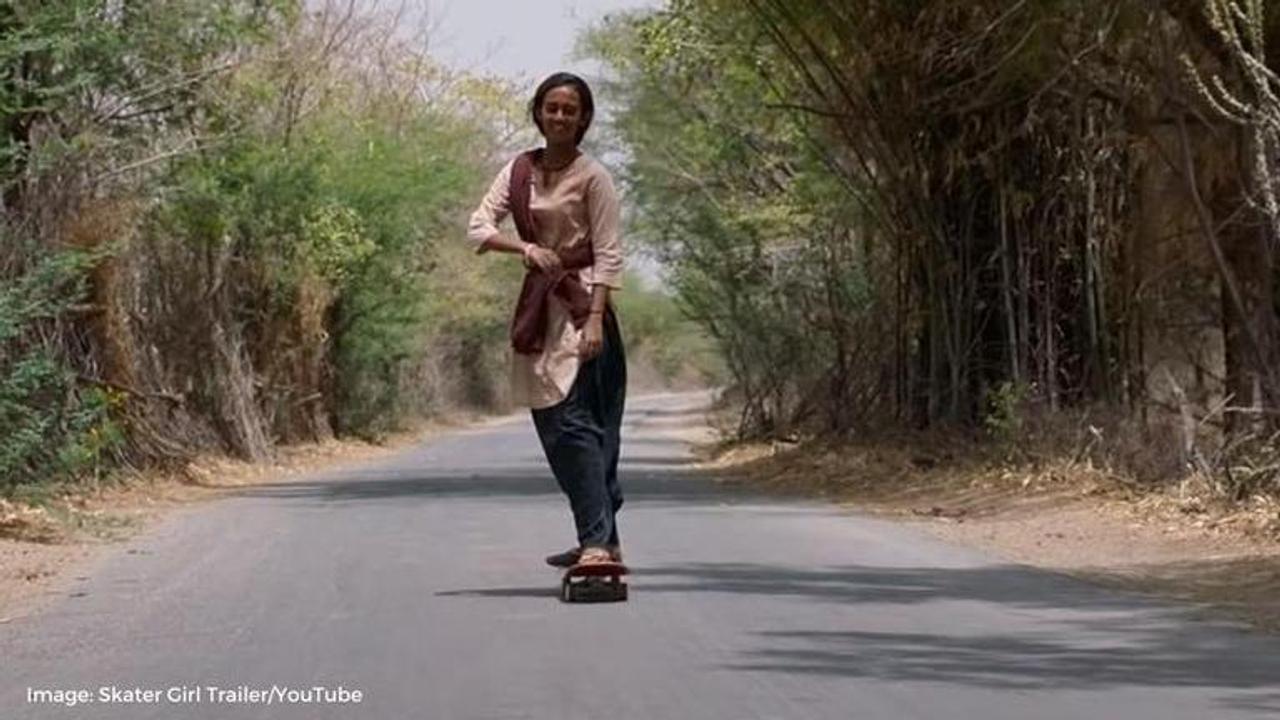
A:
(568, 364)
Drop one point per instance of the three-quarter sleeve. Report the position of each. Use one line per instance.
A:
(493, 209)
(605, 215)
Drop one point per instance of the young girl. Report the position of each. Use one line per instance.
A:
(568, 364)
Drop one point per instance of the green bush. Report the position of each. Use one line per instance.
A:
(50, 426)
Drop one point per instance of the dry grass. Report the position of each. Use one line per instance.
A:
(1052, 458)
(29, 524)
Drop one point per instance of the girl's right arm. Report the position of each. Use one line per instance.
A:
(482, 231)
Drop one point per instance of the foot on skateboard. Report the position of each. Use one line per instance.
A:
(595, 582)
(569, 558)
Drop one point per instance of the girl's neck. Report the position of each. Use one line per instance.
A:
(559, 156)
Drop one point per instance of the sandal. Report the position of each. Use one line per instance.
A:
(595, 556)
(570, 557)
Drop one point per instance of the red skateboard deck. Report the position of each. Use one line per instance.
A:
(596, 582)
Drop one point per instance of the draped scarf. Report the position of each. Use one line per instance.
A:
(529, 322)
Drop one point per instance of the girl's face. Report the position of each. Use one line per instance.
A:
(561, 114)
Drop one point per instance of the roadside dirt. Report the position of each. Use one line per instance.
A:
(1060, 517)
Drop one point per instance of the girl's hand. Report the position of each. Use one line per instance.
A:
(542, 258)
(592, 337)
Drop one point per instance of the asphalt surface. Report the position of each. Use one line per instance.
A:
(417, 582)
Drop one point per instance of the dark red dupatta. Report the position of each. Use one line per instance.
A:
(529, 323)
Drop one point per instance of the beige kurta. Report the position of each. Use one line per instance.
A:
(575, 205)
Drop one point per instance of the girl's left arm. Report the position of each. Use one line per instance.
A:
(605, 213)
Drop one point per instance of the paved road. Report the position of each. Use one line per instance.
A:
(417, 582)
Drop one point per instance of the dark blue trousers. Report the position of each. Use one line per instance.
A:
(581, 437)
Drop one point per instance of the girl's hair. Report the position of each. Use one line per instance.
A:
(561, 79)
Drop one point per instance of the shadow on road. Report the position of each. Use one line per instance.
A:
(1269, 703)
(692, 411)
(648, 480)
(1006, 584)
(532, 592)
(1080, 637)
(1083, 637)
(1011, 662)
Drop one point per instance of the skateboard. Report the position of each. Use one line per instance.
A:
(597, 582)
